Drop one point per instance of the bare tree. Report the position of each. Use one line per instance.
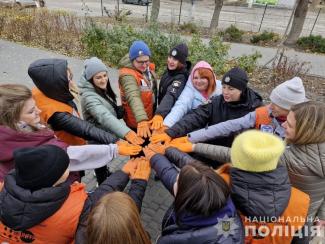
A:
(216, 14)
(155, 10)
(298, 22)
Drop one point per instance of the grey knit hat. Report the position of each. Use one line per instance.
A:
(93, 66)
(288, 93)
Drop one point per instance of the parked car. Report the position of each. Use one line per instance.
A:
(137, 2)
(23, 3)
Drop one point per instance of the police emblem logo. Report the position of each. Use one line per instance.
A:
(140, 53)
(227, 79)
(267, 128)
(225, 225)
(176, 83)
(174, 53)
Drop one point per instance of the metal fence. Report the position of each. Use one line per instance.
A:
(255, 19)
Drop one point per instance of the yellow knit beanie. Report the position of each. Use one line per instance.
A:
(256, 151)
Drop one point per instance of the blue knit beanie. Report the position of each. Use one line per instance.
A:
(137, 49)
(93, 66)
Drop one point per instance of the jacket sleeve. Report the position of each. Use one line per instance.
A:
(104, 116)
(321, 211)
(137, 191)
(173, 92)
(81, 128)
(115, 182)
(197, 118)
(178, 158)
(223, 129)
(133, 97)
(165, 170)
(91, 156)
(182, 106)
(218, 153)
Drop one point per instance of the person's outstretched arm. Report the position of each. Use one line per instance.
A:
(78, 127)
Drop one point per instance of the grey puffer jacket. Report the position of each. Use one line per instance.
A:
(99, 111)
(306, 169)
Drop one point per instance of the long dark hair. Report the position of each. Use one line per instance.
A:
(201, 191)
(104, 93)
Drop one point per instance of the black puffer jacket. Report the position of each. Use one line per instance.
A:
(50, 77)
(265, 194)
(215, 112)
(171, 86)
(21, 209)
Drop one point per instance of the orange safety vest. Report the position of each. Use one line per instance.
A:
(146, 96)
(48, 107)
(262, 117)
(60, 228)
(293, 217)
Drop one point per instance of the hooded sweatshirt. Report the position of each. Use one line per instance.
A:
(50, 77)
(190, 98)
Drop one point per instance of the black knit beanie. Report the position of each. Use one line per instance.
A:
(39, 167)
(236, 77)
(179, 52)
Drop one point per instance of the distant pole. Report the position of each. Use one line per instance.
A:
(147, 11)
(180, 12)
(118, 8)
(262, 18)
(101, 7)
(315, 21)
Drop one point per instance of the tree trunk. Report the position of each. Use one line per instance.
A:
(216, 14)
(155, 10)
(298, 22)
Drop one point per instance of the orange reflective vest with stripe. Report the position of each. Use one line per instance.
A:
(262, 117)
(48, 107)
(280, 232)
(60, 228)
(146, 96)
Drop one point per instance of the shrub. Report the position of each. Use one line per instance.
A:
(288, 68)
(313, 43)
(113, 44)
(265, 37)
(55, 30)
(232, 33)
(189, 27)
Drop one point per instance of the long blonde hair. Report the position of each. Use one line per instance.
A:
(310, 122)
(114, 220)
(12, 100)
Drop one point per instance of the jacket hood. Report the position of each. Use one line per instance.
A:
(261, 195)
(201, 64)
(204, 230)
(21, 209)
(50, 77)
(126, 62)
(11, 140)
(85, 85)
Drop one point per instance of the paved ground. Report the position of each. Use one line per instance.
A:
(275, 19)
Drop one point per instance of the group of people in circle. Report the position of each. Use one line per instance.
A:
(231, 162)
